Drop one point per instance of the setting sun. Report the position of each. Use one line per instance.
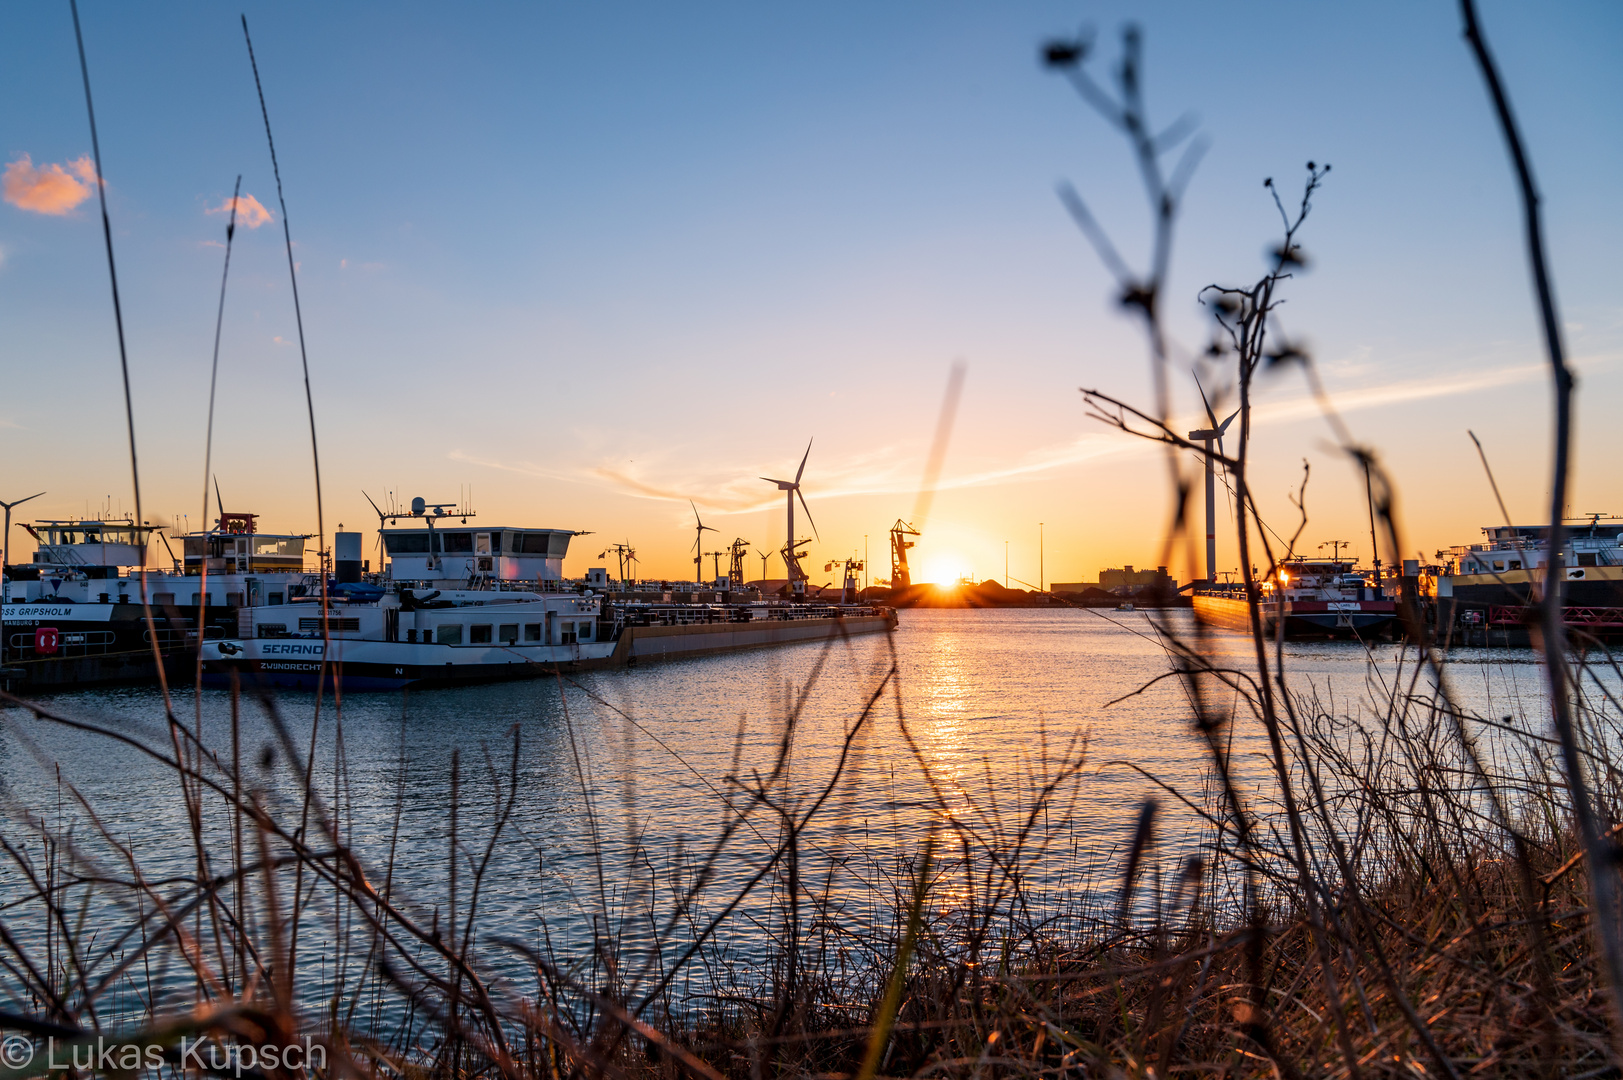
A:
(943, 569)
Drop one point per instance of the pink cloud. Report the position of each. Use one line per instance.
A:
(52, 189)
(251, 213)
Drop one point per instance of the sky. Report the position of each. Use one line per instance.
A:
(582, 264)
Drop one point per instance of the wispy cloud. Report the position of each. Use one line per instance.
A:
(251, 213)
(891, 469)
(48, 189)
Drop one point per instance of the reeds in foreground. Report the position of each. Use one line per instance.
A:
(1415, 890)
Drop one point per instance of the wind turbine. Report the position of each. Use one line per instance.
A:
(791, 558)
(698, 544)
(1208, 436)
(5, 541)
(381, 516)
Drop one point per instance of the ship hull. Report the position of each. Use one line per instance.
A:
(87, 644)
(361, 665)
(1302, 618)
(1500, 608)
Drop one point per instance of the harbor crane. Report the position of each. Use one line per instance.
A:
(900, 576)
(626, 555)
(715, 563)
(735, 568)
(848, 584)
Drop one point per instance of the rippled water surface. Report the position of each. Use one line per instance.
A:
(623, 777)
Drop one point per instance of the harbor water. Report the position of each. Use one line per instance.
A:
(613, 787)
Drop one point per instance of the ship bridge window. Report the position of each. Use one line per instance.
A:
(448, 634)
(534, 543)
(456, 543)
(406, 543)
(289, 548)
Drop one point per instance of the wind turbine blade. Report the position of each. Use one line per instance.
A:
(803, 461)
(1211, 417)
(1224, 426)
(809, 520)
(783, 485)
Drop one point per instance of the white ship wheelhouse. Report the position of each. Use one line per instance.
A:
(236, 546)
(1308, 579)
(96, 548)
(1593, 541)
(461, 552)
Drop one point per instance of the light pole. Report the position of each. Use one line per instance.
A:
(1005, 564)
(1040, 587)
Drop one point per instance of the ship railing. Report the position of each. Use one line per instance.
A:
(71, 644)
(693, 614)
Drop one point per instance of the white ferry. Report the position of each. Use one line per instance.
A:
(475, 604)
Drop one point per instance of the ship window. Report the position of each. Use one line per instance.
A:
(1586, 558)
(1498, 565)
(454, 543)
(566, 633)
(409, 543)
(1515, 564)
(161, 598)
(585, 632)
(532, 631)
(335, 625)
(535, 543)
(274, 599)
(448, 633)
(279, 546)
(508, 633)
(479, 634)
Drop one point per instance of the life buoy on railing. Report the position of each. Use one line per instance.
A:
(46, 640)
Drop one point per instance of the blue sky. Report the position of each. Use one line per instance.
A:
(596, 261)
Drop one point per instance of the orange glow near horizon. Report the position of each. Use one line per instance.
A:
(943, 569)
